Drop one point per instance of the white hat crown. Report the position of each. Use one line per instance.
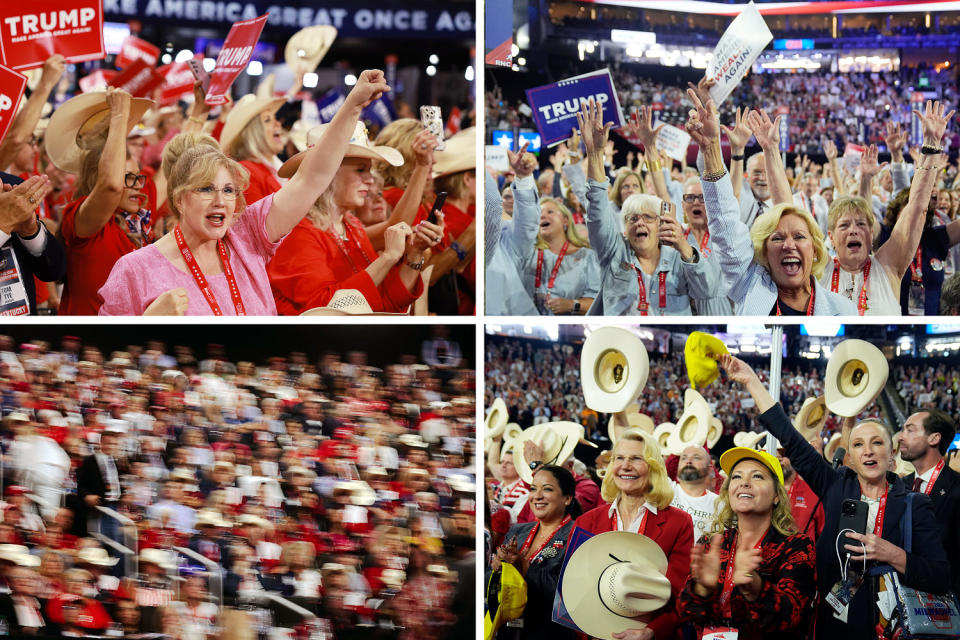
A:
(628, 590)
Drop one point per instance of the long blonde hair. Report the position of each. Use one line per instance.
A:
(251, 143)
(781, 519)
(659, 492)
(399, 134)
(571, 232)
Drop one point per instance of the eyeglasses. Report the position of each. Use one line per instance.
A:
(692, 197)
(134, 181)
(647, 218)
(209, 192)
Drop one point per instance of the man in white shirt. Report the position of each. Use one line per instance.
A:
(692, 493)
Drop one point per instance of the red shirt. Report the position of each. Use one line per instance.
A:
(309, 267)
(92, 615)
(456, 222)
(802, 503)
(89, 261)
(263, 181)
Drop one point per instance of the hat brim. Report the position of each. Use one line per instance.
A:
(386, 154)
(802, 422)
(569, 434)
(81, 113)
(241, 115)
(731, 457)
(580, 586)
(324, 33)
(596, 347)
(693, 427)
(497, 418)
(875, 367)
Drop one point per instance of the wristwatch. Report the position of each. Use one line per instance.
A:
(534, 464)
(576, 306)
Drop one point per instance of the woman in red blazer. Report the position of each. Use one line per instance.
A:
(638, 491)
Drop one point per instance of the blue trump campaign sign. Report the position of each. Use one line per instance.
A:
(555, 105)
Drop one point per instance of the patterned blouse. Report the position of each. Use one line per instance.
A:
(784, 606)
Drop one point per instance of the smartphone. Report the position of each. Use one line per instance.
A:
(437, 205)
(196, 66)
(853, 516)
(432, 122)
(666, 209)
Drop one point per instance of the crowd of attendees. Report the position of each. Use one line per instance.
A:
(354, 219)
(339, 487)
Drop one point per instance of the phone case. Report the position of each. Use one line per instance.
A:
(430, 117)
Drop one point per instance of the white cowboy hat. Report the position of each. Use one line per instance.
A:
(461, 483)
(510, 434)
(627, 419)
(748, 439)
(360, 147)
(613, 369)
(856, 373)
(255, 520)
(347, 302)
(361, 493)
(212, 518)
(662, 435)
(78, 118)
(715, 431)
(163, 559)
(307, 47)
(558, 440)
(412, 440)
(19, 555)
(459, 154)
(612, 579)
(497, 418)
(97, 556)
(830, 449)
(693, 426)
(811, 418)
(246, 109)
(393, 578)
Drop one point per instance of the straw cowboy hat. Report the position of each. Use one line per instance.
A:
(459, 154)
(19, 555)
(662, 435)
(693, 427)
(558, 440)
(700, 353)
(82, 117)
(510, 434)
(360, 147)
(613, 369)
(496, 418)
(856, 373)
(714, 433)
(347, 302)
(613, 578)
(731, 457)
(306, 48)
(97, 556)
(627, 419)
(748, 439)
(246, 109)
(298, 135)
(811, 418)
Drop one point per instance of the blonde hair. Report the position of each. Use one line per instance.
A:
(781, 519)
(251, 142)
(399, 134)
(764, 226)
(614, 194)
(180, 143)
(198, 167)
(659, 493)
(296, 546)
(453, 183)
(571, 232)
(844, 205)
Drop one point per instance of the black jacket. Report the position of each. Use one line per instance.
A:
(49, 266)
(946, 504)
(925, 564)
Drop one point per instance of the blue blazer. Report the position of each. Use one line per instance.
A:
(927, 568)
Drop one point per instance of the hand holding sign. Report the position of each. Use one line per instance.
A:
(370, 86)
(766, 132)
(53, 68)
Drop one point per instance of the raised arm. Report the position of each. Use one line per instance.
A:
(492, 218)
(320, 164)
(602, 225)
(830, 150)
(526, 207)
(869, 167)
(103, 200)
(897, 252)
(739, 136)
(21, 130)
(641, 126)
(767, 133)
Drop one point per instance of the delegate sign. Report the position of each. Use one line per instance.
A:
(31, 32)
(12, 85)
(233, 58)
(739, 47)
(555, 106)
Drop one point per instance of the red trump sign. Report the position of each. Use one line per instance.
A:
(31, 32)
(233, 58)
(12, 85)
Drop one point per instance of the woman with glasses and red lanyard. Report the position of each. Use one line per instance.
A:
(108, 219)
(638, 494)
(214, 262)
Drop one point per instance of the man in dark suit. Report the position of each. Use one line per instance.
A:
(27, 249)
(98, 484)
(20, 608)
(924, 440)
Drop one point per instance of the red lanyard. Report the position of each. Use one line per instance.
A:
(878, 527)
(916, 267)
(533, 534)
(643, 306)
(727, 590)
(835, 283)
(201, 281)
(343, 247)
(704, 249)
(615, 521)
(813, 294)
(933, 477)
(556, 267)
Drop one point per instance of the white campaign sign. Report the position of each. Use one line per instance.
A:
(496, 157)
(851, 157)
(673, 141)
(740, 45)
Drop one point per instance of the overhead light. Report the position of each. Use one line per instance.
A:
(350, 80)
(166, 58)
(431, 71)
(468, 74)
(209, 64)
(255, 68)
(514, 50)
(310, 80)
(522, 62)
(434, 59)
(184, 55)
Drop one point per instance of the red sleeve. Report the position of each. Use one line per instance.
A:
(676, 540)
(217, 130)
(396, 296)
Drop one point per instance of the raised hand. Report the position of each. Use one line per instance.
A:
(869, 166)
(671, 235)
(118, 100)
(739, 136)
(766, 131)
(702, 88)
(369, 87)
(53, 68)
(703, 124)
(737, 370)
(934, 123)
(523, 163)
(830, 150)
(595, 133)
(573, 144)
(641, 125)
(423, 145)
(896, 138)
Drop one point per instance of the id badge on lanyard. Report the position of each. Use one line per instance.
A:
(13, 293)
(917, 296)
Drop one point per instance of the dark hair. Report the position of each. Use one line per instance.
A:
(567, 484)
(939, 422)
(950, 296)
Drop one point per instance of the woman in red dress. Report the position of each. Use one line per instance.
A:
(638, 491)
(253, 137)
